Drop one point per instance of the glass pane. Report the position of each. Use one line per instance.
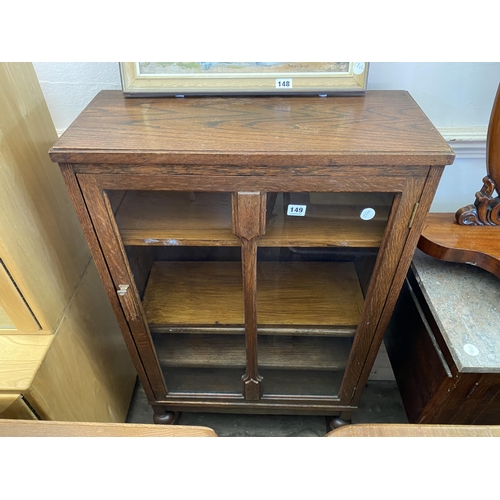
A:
(314, 267)
(186, 264)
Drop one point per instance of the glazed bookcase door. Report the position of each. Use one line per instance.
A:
(230, 298)
(315, 263)
(186, 264)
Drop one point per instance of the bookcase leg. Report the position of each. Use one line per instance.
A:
(162, 416)
(338, 421)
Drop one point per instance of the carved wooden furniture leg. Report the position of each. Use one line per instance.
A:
(162, 416)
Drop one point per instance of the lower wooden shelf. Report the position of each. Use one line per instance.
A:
(276, 382)
(291, 353)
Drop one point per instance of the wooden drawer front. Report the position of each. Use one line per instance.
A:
(15, 315)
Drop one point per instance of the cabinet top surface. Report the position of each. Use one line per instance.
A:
(464, 302)
(380, 126)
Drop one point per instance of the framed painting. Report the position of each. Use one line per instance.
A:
(233, 78)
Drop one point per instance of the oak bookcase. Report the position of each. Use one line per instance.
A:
(252, 248)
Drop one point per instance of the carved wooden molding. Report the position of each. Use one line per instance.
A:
(486, 208)
(484, 211)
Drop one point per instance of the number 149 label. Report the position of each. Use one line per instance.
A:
(296, 210)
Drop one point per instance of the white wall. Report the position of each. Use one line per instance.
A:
(457, 97)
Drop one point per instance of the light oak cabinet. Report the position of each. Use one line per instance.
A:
(252, 248)
(62, 356)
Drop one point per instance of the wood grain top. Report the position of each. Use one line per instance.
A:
(379, 126)
(444, 239)
(24, 428)
(414, 430)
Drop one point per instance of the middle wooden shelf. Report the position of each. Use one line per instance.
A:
(293, 298)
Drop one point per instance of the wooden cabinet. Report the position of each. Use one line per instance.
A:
(443, 343)
(62, 355)
(252, 248)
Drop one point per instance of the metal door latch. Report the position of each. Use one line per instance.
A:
(122, 290)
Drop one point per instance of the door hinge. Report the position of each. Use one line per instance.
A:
(414, 212)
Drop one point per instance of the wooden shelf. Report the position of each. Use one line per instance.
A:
(290, 353)
(332, 219)
(275, 381)
(159, 218)
(296, 296)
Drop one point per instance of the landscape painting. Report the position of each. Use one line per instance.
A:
(242, 78)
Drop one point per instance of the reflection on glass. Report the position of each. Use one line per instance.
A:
(186, 263)
(314, 267)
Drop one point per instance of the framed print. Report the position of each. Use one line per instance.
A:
(233, 78)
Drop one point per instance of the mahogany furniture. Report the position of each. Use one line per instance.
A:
(252, 248)
(472, 235)
(444, 345)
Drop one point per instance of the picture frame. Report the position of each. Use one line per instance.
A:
(247, 78)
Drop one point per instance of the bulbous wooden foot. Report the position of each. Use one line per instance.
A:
(162, 416)
(335, 422)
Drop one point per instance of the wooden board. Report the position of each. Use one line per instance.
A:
(291, 353)
(276, 381)
(176, 218)
(41, 241)
(20, 359)
(414, 430)
(87, 375)
(380, 127)
(167, 218)
(444, 239)
(21, 428)
(288, 293)
(348, 231)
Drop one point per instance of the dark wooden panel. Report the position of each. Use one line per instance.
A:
(417, 366)
(275, 382)
(207, 351)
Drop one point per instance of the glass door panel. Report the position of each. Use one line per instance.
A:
(314, 266)
(186, 263)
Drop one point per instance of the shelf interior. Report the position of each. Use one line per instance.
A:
(282, 352)
(208, 296)
(275, 382)
(160, 218)
(169, 218)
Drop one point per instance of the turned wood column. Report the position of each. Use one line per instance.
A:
(249, 223)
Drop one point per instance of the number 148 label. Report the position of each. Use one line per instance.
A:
(284, 83)
(296, 210)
